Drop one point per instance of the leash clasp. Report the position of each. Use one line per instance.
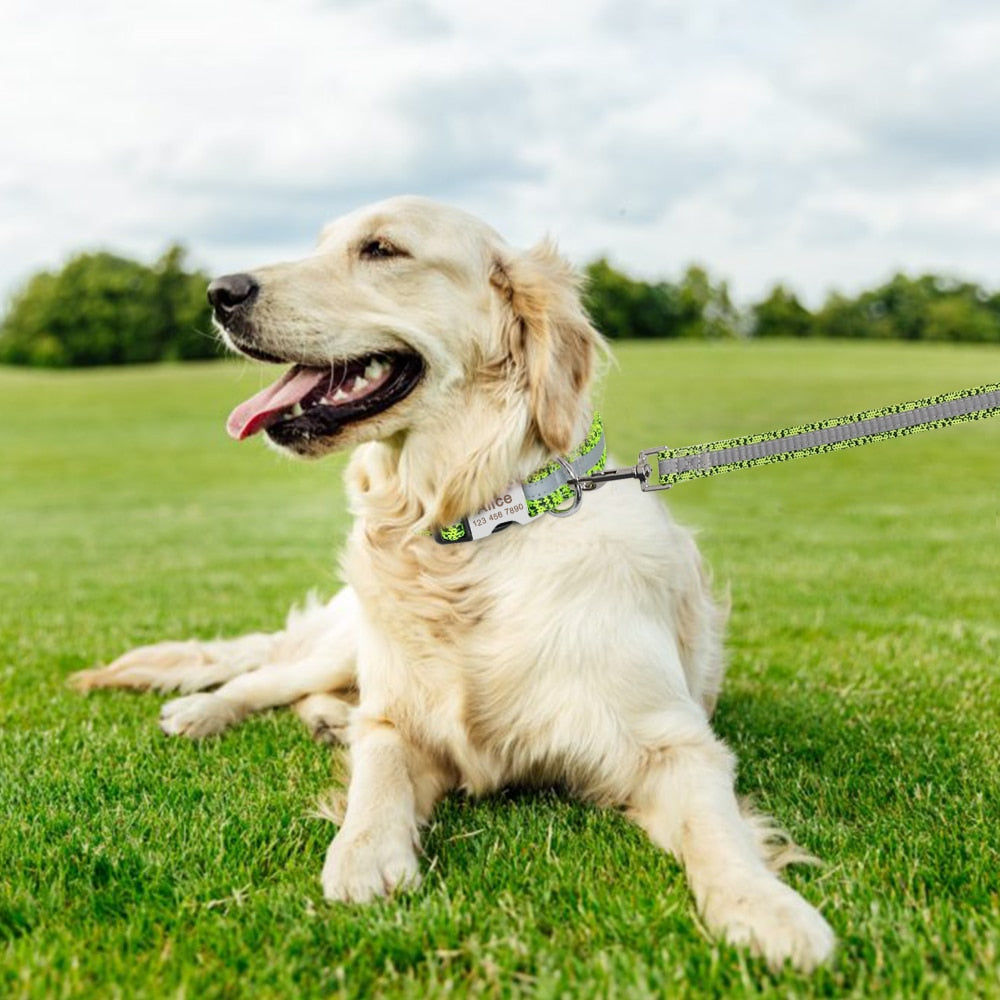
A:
(642, 470)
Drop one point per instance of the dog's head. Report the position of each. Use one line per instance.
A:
(412, 319)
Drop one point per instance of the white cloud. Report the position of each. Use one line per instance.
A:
(820, 144)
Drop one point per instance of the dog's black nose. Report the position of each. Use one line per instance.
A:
(231, 293)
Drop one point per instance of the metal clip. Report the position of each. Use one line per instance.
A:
(642, 470)
(596, 479)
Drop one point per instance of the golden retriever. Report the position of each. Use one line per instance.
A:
(584, 651)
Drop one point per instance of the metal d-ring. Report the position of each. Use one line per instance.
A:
(577, 490)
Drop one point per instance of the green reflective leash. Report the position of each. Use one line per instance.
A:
(661, 468)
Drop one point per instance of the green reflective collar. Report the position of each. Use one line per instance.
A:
(545, 490)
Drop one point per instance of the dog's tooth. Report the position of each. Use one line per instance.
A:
(360, 382)
(374, 369)
(339, 396)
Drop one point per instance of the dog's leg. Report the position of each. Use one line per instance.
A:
(195, 665)
(687, 805)
(317, 654)
(190, 665)
(392, 790)
(275, 684)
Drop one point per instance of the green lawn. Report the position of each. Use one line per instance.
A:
(862, 701)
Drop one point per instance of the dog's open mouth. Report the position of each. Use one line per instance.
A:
(310, 402)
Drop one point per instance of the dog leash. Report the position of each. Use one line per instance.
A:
(661, 468)
(567, 478)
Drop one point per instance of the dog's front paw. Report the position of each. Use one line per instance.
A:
(197, 715)
(773, 920)
(362, 866)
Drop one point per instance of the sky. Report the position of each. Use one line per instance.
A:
(817, 143)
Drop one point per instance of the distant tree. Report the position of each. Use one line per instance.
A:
(961, 318)
(186, 319)
(929, 307)
(898, 309)
(781, 315)
(707, 311)
(103, 309)
(840, 317)
(622, 307)
(607, 297)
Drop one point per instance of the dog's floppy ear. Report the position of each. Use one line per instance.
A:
(548, 337)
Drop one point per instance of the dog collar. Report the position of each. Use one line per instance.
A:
(546, 490)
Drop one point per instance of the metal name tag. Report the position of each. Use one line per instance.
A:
(507, 508)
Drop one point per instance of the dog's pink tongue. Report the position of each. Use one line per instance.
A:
(269, 404)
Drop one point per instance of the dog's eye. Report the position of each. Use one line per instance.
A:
(378, 248)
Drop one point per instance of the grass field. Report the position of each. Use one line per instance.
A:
(862, 701)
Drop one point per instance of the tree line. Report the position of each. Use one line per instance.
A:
(104, 309)
(928, 307)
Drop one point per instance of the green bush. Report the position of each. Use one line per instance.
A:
(102, 309)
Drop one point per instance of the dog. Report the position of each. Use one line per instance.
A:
(583, 651)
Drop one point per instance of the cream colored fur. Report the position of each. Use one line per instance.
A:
(584, 651)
